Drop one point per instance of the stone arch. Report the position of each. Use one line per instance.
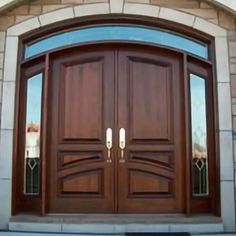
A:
(225, 4)
(115, 6)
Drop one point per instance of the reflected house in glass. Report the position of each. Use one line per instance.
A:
(32, 154)
(32, 141)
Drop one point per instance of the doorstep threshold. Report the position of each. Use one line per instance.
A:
(115, 223)
(117, 218)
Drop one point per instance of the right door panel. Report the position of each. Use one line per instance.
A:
(150, 109)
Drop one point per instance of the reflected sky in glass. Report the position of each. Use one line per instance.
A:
(198, 111)
(117, 33)
(32, 136)
(34, 99)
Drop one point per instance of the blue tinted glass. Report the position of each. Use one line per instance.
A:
(34, 97)
(117, 33)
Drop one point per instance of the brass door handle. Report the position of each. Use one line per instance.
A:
(109, 144)
(122, 144)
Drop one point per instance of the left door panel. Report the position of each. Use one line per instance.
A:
(81, 110)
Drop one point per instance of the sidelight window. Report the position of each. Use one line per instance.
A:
(32, 135)
(199, 136)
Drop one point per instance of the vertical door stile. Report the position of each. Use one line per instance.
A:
(116, 173)
(44, 137)
(187, 131)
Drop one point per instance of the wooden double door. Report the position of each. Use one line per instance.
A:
(134, 88)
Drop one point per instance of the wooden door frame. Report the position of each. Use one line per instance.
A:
(104, 20)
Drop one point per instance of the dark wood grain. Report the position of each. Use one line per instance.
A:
(150, 109)
(82, 109)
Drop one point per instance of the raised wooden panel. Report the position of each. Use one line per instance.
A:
(84, 183)
(82, 113)
(141, 183)
(77, 158)
(153, 158)
(150, 100)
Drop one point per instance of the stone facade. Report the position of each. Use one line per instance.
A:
(60, 9)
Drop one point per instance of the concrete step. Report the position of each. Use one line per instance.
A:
(111, 224)
(114, 228)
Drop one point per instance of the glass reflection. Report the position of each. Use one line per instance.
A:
(32, 142)
(133, 33)
(199, 135)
